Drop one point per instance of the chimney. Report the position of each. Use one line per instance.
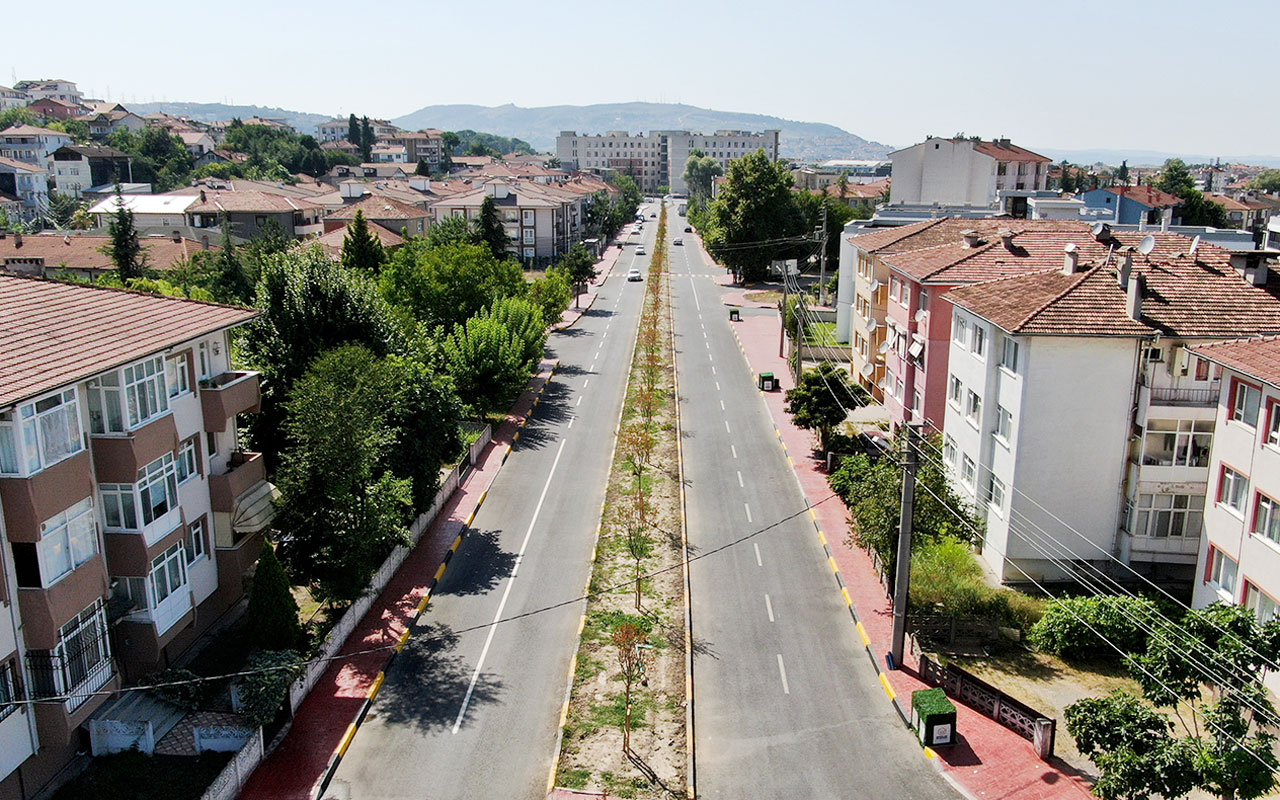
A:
(1242, 261)
(177, 236)
(1261, 273)
(202, 197)
(17, 239)
(971, 238)
(1126, 266)
(1133, 301)
(420, 182)
(1006, 238)
(204, 242)
(1071, 259)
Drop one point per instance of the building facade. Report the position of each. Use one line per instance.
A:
(31, 144)
(966, 172)
(658, 158)
(80, 167)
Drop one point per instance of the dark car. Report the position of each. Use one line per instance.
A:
(688, 229)
(875, 444)
(653, 216)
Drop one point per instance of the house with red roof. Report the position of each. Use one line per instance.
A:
(965, 172)
(1132, 205)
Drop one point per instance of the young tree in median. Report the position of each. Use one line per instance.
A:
(755, 205)
(489, 226)
(361, 249)
(580, 266)
(819, 403)
(124, 249)
(272, 612)
(630, 641)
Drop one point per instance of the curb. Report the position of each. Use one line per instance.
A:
(341, 750)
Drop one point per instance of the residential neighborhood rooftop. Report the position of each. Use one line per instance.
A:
(1258, 357)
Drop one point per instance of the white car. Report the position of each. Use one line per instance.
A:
(640, 250)
(634, 275)
(678, 241)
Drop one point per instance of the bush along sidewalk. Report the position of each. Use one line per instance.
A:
(624, 728)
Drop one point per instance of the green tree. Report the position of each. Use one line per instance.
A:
(444, 286)
(423, 168)
(124, 249)
(361, 249)
(1175, 178)
(21, 115)
(272, 612)
(872, 491)
(579, 266)
(552, 294)
(451, 141)
(426, 412)
(523, 320)
(353, 130)
(77, 129)
(1267, 181)
(1122, 173)
(490, 229)
(809, 208)
(159, 157)
(699, 173)
(754, 209)
(366, 140)
(487, 361)
(451, 231)
(63, 208)
(342, 510)
(822, 399)
(263, 691)
(1132, 746)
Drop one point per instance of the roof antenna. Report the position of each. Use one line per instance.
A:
(1195, 245)
(1147, 244)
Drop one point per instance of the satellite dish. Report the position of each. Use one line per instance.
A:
(920, 315)
(1195, 245)
(1147, 244)
(1097, 228)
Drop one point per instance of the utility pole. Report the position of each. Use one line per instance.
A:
(782, 331)
(799, 342)
(822, 270)
(902, 571)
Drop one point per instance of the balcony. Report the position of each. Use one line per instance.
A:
(245, 471)
(242, 500)
(1174, 396)
(226, 395)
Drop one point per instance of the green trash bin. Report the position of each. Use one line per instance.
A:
(767, 382)
(735, 315)
(934, 717)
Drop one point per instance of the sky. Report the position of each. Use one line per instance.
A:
(1176, 76)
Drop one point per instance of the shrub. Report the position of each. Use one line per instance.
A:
(189, 693)
(1079, 627)
(947, 579)
(261, 693)
(272, 611)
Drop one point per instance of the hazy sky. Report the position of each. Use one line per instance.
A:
(1174, 75)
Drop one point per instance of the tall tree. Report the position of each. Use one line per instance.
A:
(823, 399)
(754, 209)
(272, 612)
(361, 249)
(580, 266)
(1267, 181)
(489, 226)
(1122, 173)
(423, 168)
(124, 249)
(1175, 178)
(353, 130)
(699, 174)
(366, 140)
(447, 285)
(451, 230)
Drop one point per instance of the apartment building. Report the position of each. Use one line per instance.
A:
(542, 221)
(77, 168)
(425, 145)
(27, 182)
(659, 158)
(31, 143)
(970, 172)
(1239, 556)
(250, 212)
(129, 514)
(338, 128)
(55, 88)
(1076, 418)
(12, 98)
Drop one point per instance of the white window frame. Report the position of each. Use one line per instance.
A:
(1260, 603)
(1242, 410)
(1273, 423)
(973, 407)
(949, 450)
(960, 333)
(195, 544)
(188, 461)
(1233, 491)
(1266, 518)
(955, 391)
(1156, 516)
(996, 493)
(124, 509)
(1189, 445)
(145, 393)
(67, 540)
(527, 216)
(968, 470)
(1223, 571)
(177, 379)
(1009, 354)
(979, 346)
(31, 442)
(1004, 424)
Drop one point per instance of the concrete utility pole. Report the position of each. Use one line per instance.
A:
(822, 270)
(902, 571)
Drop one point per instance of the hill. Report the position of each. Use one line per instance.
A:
(301, 121)
(807, 141)
(1150, 158)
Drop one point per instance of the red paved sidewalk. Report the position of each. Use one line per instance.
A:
(991, 761)
(294, 769)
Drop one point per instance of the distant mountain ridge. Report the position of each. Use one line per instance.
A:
(301, 121)
(1150, 158)
(806, 141)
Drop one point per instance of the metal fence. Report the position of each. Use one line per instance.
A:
(990, 701)
(949, 630)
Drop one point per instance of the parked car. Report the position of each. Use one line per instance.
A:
(688, 229)
(634, 275)
(640, 250)
(677, 241)
(652, 215)
(875, 443)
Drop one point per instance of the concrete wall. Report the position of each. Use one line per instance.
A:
(944, 172)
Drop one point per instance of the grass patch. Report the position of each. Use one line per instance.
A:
(573, 778)
(821, 334)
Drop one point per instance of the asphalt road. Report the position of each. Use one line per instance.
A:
(786, 703)
(470, 709)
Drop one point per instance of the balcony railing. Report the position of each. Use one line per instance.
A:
(226, 395)
(1170, 396)
(74, 678)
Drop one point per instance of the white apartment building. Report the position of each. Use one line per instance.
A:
(1239, 556)
(659, 158)
(12, 98)
(966, 172)
(31, 143)
(1076, 418)
(56, 89)
(542, 221)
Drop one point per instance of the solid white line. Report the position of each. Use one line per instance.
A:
(768, 606)
(694, 287)
(709, 356)
(782, 670)
(747, 506)
(740, 483)
(708, 344)
(734, 450)
(502, 604)
(759, 563)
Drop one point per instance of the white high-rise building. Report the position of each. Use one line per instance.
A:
(658, 158)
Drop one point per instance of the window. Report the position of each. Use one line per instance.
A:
(1245, 402)
(915, 399)
(1260, 604)
(145, 393)
(960, 332)
(1273, 425)
(968, 470)
(995, 493)
(68, 539)
(188, 464)
(1004, 423)
(979, 341)
(79, 664)
(528, 235)
(949, 450)
(1222, 572)
(1233, 489)
(1163, 515)
(175, 375)
(158, 488)
(8, 688)
(1177, 442)
(211, 443)
(1202, 369)
(168, 574)
(1155, 355)
(973, 408)
(895, 288)
(955, 390)
(528, 216)
(40, 434)
(1266, 518)
(194, 543)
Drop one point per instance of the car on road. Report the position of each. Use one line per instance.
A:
(652, 215)
(640, 250)
(688, 229)
(634, 275)
(677, 241)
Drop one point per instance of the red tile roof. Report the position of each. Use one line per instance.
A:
(216, 202)
(333, 240)
(380, 207)
(53, 334)
(1147, 195)
(1259, 358)
(85, 252)
(1004, 151)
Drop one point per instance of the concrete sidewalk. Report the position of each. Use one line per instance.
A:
(324, 721)
(990, 760)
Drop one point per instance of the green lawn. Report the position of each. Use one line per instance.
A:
(820, 333)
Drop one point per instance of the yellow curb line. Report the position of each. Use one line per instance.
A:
(866, 640)
(929, 753)
(848, 601)
(440, 572)
(887, 688)
(515, 437)
(458, 541)
(821, 538)
(377, 685)
(480, 502)
(834, 568)
(346, 739)
(404, 638)
(813, 514)
(790, 462)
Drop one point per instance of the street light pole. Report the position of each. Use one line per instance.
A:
(902, 565)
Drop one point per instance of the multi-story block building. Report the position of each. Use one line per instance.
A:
(80, 167)
(659, 158)
(338, 128)
(542, 221)
(129, 513)
(1076, 418)
(26, 181)
(967, 172)
(1239, 557)
(31, 144)
(12, 98)
(55, 88)
(425, 145)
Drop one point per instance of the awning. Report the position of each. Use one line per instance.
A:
(255, 509)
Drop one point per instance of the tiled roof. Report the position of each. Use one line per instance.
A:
(332, 241)
(1258, 358)
(31, 130)
(53, 334)
(217, 202)
(379, 207)
(1147, 195)
(1004, 151)
(85, 252)
(1183, 297)
(856, 190)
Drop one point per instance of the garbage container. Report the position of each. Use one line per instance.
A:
(734, 315)
(934, 717)
(767, 382)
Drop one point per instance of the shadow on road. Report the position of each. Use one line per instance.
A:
(479, 567)
(552, 410)
(429, 681)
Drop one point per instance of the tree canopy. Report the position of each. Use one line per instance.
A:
(822, 399)
(444, 286)
(361, 249)
(490, 229)
(755, 208)
(699, 173)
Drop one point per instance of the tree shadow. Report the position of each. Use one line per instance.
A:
(572, 331)
(572, 370)
(552, 410)
(427, 682)
(650, 774)
(478, 566)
